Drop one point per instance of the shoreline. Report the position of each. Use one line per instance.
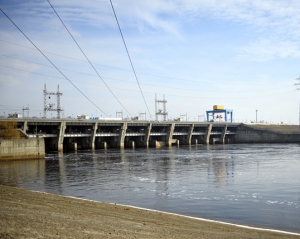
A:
(190, 217)
(31, 214)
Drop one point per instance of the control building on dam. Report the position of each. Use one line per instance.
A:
(73, 134)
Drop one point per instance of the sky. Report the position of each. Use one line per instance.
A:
(241, 54)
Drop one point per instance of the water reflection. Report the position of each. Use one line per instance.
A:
(53, 175)
(251, 184)
(14, 173)
(162, 180)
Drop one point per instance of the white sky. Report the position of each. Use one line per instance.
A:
(243, 54)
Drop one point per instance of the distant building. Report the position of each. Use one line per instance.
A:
(15, 115)
(83, 117)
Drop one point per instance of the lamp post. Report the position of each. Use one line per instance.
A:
(256, 116)
(298, 85)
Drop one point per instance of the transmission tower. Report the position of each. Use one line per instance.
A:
(158, 111)
(50, 107)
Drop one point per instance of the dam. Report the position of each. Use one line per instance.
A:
(76, 134)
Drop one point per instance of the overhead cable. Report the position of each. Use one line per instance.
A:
(130, 59)
(153, 93)
(88, 59)
(148, 74)
(168, 87)
(52, 63)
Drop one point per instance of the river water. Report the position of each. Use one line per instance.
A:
(253, 184)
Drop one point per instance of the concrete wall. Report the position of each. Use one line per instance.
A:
(158, 144)
(248, 134)
(22, 148)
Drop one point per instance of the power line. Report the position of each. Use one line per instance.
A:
(130, 58)
(189, 96)
(68, 57)
(210, 97)
(32, 72)
(88, 58)
(153, 93)
(168, 87)
(147, 74)
(10, 107)
(44, 64)
(52, 62)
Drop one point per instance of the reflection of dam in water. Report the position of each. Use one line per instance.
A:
(16, 173)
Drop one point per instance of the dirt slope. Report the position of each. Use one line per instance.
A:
(27, 214)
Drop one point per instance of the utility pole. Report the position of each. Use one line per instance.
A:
(256, 116)
(185, 116)
(142, 116)
(298, 85)
(119, 114)
(27, 110)
(199, 117)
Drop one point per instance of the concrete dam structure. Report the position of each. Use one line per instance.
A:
(74, 134)
(15, 144)
(33, 148)
(267, 134)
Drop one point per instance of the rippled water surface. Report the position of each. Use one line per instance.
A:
(256, 184)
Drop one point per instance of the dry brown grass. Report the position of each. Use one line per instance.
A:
(8, 129)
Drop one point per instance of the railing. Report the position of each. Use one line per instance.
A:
(198, 133)
(107, 134)
(135, 134)
(42, 135)
(68, 135)
(157, 134)
(215, 133)
(77, 135)
(180, 133)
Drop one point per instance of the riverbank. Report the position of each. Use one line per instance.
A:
(27, 214)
